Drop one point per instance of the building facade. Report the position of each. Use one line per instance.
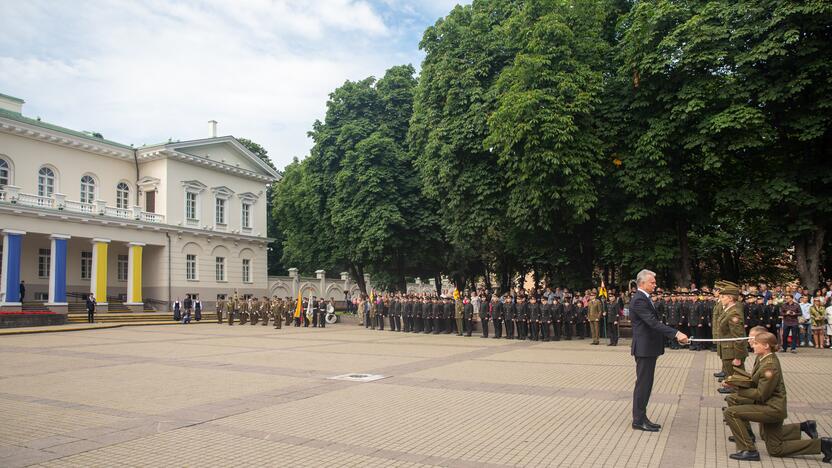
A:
(81, 214)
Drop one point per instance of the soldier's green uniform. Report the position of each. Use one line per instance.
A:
(288, 310)
(233, 307)
(244, 307)
(220, 310)
(265, 310)
(254, 311)
(769, 408)
(731, 326)
(595, 311)
(373, 312)
(277, 312)
(458, 315)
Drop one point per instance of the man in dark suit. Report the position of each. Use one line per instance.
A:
(91, 308)
(648, 344)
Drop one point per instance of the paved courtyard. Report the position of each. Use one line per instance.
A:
(211, 395)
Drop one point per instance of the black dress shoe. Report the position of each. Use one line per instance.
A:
(652, 424)
(719, 374)
(645, 427)
(746, 455)
(725, 390)
(810, 427)
(826, 449)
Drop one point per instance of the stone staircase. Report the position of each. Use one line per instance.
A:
(134, 317)
(33, 306)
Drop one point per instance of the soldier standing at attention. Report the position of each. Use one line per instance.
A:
(417, 315)
(220, 309)
(393, 308)
(731, 326)
(613, 314)
(243, 311)
(509, 318)
(468, 316)
(568, 318)
(459, 315)
(534, 317)
(407, 310)
(254, 310)
(277, 311)
(522, 317)
(448, 315)
(695, 319)
(265, 310)
(557, 319)
(427, 315)
(485, 313)
(373, 312)
(496, 315)
(546, 311)
(595, 313)
(233, 306)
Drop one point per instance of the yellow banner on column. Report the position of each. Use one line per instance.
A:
(99, 276)
(134, 280)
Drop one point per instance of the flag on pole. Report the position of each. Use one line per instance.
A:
(602, 291)
(299, 306)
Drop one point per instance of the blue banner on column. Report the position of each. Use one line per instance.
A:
(13, 271)
(60, 271)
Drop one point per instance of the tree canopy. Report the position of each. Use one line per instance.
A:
(580, 141)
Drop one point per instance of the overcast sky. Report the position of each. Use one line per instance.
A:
(141, 72)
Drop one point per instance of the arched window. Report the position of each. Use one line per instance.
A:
(46, 182)
(122, 195)
(5, 173)
(87, 189)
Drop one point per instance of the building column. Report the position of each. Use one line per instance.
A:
(134, 277)
(293, 273)
(321, 275)
(10, 286)
(98, 280)
(57, 274)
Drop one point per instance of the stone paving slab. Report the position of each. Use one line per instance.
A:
(214, 395)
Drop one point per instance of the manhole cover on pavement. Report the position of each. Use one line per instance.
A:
(355, 377)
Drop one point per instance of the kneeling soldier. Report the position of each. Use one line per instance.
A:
(766, 392)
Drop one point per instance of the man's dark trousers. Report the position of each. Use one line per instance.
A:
(645, 372)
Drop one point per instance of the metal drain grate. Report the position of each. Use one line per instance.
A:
(358, 377)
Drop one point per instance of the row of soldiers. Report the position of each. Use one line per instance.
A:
(521, 316)
(279, 311)
(693, 314)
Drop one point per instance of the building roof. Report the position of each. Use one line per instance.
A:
(12, 98)
(39, 123)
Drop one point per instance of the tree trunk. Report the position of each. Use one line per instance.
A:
(697, 273)
(536, 278)
(729, 265)
(357, 273)
(807, 257)
(401, 282)
(682, 275)
(437, 283)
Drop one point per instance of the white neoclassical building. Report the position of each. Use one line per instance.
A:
(83, 214)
